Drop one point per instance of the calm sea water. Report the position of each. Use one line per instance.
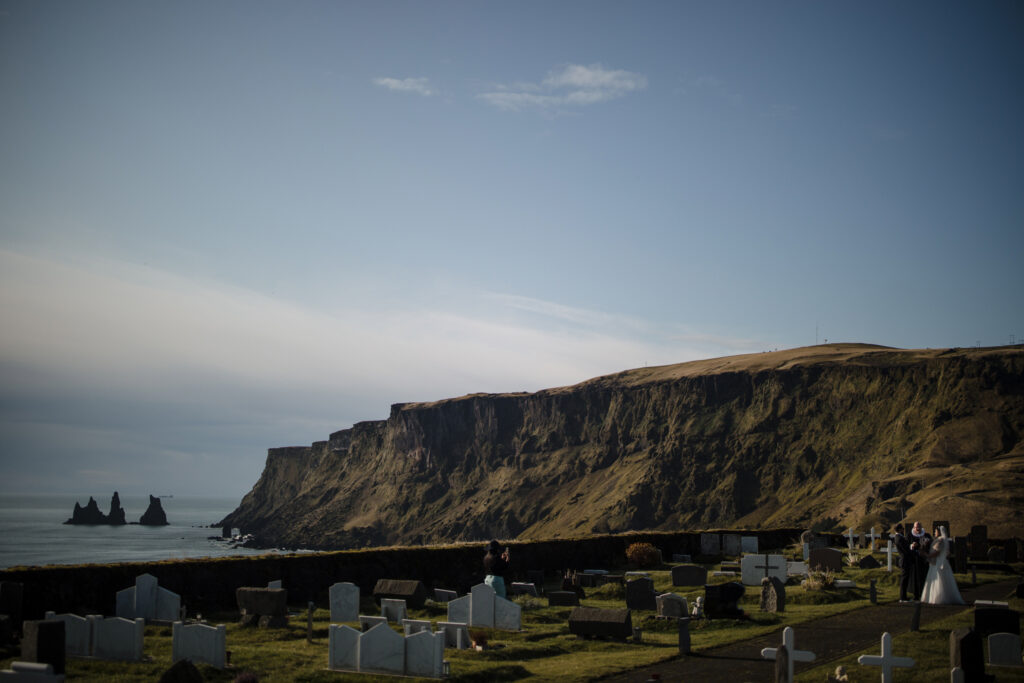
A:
(32, 531)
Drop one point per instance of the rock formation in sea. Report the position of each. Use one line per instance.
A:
(154, 514)
(116, 514)
(90, 514)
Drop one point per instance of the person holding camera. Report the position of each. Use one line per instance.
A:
(496, 563)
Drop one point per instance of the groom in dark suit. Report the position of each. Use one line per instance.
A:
(909, 565)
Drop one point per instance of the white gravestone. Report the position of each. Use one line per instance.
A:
(507, 614)
(522, 588)
(381, 650)
(411, 626)
(796, 568)
(456, 634)
(442, 595)
(889, 550)
(748, 544)
(752, 568)
(1004, 650)
(851, 539)
(77, 633)
(793, 655)
(887, 661)
(276, 583)
(342, 648)
(458, 609)
(344, 598)
(31, 672)
(672, 605)
(481, 605)
(147, 600)
(424, 654)
(117, 638)
(392, 609)
(199, 643)
(366, 621)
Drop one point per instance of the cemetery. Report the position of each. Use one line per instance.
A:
(592, 622)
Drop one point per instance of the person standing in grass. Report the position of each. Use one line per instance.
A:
(496, 563)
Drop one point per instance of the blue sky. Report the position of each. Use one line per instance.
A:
(235, 225)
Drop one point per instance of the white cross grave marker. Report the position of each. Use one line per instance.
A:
(889, 549)
(789, 641)
(872, 536)
(849, 538)
(887, 661)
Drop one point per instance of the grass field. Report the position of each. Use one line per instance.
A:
(544, 649)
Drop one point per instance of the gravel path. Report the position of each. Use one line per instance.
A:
(829, 638)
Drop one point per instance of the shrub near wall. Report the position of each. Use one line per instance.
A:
(209, 584)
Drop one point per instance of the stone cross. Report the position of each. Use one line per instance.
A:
(887, 661)
(765, 567)
(889, 550)
(872, 536)
(849, 538)
(789, 642)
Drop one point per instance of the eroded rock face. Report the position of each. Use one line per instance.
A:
(841, 434)
(116, 514)
(90, 514)
(154, 514)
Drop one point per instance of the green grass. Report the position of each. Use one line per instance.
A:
(543, 650)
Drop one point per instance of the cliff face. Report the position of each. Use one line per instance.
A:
(823, 436)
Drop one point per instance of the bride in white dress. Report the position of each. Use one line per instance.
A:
(940, 585)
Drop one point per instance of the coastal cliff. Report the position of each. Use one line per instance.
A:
(825, 436)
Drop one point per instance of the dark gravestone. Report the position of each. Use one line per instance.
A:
(640, 594)
(572, 583)
(996, 554)
(563, 599)
(536, 577)
(11, 600)
(773, 595)
(689, 575)
(979, 542)
(684, 635)
(869, 562)
(1010, 551)
(965, 651)
(989, 620)
(413, 592)
(959, 557)
(589, 622)
(720, 600)
(825, 559)
(264, 607)
(587, 580)
(43, 641)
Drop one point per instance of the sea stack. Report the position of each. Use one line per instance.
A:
(116, 514)
(154, 514)
(90, 514)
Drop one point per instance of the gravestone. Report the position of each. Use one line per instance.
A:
(481, 606)
(276, 583)
(979, 542)
(1004, 650)
(672, 606)
(413, 592)
(455, 634)
(796, 568)
(959, 556)
(507, 615)
(868, 562)
(263, 607)
(989, 620)
(563, 599)
(199, 643)
(886, 661)
(393, 610)
(681, 557)
(117, 638)
(710, 544)
(344, 599)
(443, 595)
(773, 595)
(640, 594)
(523, 588)
(148, 600)
(536, 577)
(424, 654)
(792, 655)
(381, 650)
(748, 544)
(720, 600)
(826, 559)
(966, 653)
(458, 609)
(689, 575)
(844, 583)
(31, 672)
(996, 554)
(589, 622)
(367, 621)
(342, 648)
(732, 545)
(77, 634)
(11, 600)
(411, 626)
(42, 641)
(753, 568)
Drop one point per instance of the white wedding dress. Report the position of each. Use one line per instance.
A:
(940, 585)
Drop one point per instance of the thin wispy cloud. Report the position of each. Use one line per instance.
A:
(573, 85)
(419, 86)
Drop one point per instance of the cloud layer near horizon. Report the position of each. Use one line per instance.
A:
(108, 351)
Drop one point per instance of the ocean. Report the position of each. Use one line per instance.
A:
(32, 531)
